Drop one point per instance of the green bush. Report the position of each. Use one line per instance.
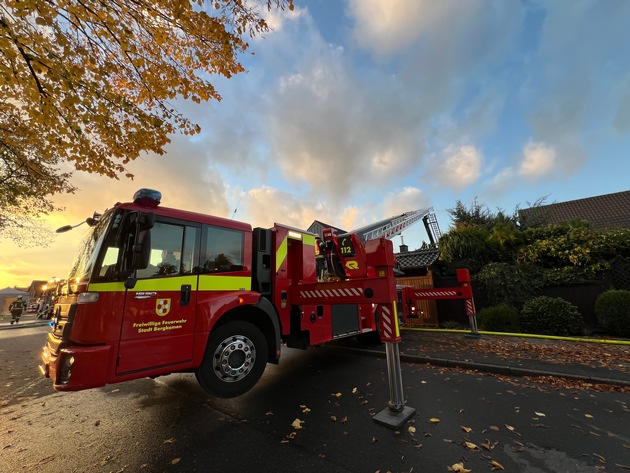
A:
(450, 325)
(500, 318)
(510, 284)
(551, 316)
(612, 309)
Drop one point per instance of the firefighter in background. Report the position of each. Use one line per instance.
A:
(16, 308)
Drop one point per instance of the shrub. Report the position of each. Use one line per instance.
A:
(612, 309)
(450, 325)
(500, 318)
(508, 284)
(551, 316)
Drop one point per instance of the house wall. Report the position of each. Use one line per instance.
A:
(427, 309)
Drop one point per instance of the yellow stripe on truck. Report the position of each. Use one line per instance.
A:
(281, 254)
(224, 283)
(107, 287)
(309, 240)
(164, 284)
(207, 282)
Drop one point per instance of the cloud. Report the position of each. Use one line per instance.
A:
(405, 200)
(539, 161)
(335, 132)
(386, 27)
(621, 119)
(267, 206)
(567, 94)
(455, 167)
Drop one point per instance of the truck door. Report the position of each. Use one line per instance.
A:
(159, 314)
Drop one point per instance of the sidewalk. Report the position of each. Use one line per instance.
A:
(597, 361)
(26, 320)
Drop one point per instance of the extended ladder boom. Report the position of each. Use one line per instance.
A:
(391, 227)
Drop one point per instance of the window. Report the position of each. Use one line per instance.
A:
(224, 250)
(173, 251)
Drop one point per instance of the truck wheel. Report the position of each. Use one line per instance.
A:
(235, 358)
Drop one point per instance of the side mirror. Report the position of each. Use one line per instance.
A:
(141, 250)
(146, 221)
(138, 252)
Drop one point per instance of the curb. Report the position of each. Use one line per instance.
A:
(523, 335)
(488, 367)
(35, 323)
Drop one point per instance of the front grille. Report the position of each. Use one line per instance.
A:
(61, 325)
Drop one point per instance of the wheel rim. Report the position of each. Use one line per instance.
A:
(234, 358)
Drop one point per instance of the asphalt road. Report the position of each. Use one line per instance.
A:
(170, 424)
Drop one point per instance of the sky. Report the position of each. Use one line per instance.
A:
(352, 111)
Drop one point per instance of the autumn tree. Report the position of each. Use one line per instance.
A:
(89, 85)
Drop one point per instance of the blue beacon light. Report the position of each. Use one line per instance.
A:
(147, 197)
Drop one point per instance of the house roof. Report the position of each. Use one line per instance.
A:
(602, 211)
(12, 292)
(421, 258)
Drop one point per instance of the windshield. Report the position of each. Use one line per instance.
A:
(89, 248)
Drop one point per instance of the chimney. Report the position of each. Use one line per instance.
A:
(403, 248)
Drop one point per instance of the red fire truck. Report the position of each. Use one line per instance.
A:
(156, 290)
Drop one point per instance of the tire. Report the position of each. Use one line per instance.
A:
(234, 361)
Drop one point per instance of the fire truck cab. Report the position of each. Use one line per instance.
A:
(155, 290)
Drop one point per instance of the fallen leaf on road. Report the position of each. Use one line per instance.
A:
(458, 467)
(539, 414)
(466, 429)
(471, 446)
(171, 440)
(496, 465)
(297, 424)
(175, 461)
(487, 445)
(434, 420)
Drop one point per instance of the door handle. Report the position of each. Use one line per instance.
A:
(184, 298)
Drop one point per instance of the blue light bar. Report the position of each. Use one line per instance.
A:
(147, 197)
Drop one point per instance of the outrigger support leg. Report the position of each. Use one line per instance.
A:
(396, 413)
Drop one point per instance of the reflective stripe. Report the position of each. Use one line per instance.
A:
(224, 283)
(397, 326)
(281, 254)
(206, 283)
(107, 287)
(164, 284)
(309, 240)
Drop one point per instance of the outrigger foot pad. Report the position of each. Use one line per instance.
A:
(394, 419)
